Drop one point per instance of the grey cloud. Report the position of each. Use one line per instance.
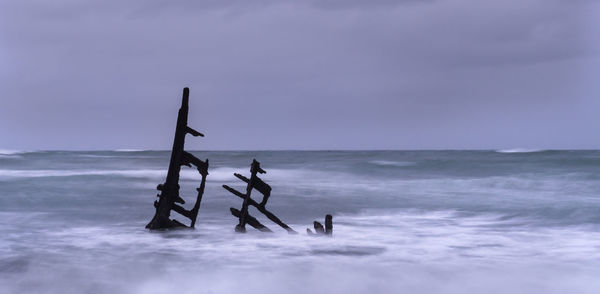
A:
(432, 74)
(188, 5)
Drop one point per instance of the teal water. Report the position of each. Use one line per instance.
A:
(404, 221)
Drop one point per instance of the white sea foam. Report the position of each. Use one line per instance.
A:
(273, 175)
(219, 174)
(393, 163)
(129, 150)
(106, 156)
(519, 150)
(472, 226)
(434, 237)
(11, 152)
(128, 156)
(5, 153)
(141, 173)
(407, 251)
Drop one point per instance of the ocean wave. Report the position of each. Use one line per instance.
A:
(144, 173)
(392, 163)
(12, 152)
(433, 248)
(99, 156)
(273, 175)
(219, 174)
(113, 156)
(129, 150)
(520, 150)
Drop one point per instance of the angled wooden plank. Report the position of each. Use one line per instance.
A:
(193, 132)
(250, 220)
(262, 187)
(262, 209)
(194, 211)
(239, 176)
(234, 191)
(188, 159)
(257, 184)
(182, 211)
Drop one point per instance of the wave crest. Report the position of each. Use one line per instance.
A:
(12, 152)
(392, 163)
(520, 150)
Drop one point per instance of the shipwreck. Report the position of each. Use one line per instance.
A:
(169, 199)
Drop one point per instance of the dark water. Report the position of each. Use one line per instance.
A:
(404, 221)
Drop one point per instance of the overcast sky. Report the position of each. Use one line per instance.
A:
(320, 74)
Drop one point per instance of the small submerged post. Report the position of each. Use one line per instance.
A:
(169, 191)
(319, 230)
(328, 224)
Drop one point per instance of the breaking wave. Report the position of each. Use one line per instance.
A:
(215, 174)
(520, 150)
(11, 152)
(7, 153)
(129, 150)
(142, 173)
(458, 222)
(392, 163)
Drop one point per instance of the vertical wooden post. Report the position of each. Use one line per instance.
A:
(170, 190)
(328, 225)
(169, 194)
(254, 168)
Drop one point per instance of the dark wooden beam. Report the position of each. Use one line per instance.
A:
(262, 209)
(250, 220)
(328, 224)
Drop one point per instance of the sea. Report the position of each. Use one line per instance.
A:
(489, 221)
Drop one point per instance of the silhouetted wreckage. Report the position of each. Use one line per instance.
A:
(319, 230)
(254, 182)
(169, 191)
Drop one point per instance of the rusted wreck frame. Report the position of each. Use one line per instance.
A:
(170, 190)
(254, 183)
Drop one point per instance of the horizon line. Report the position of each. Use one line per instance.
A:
(295, 150)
